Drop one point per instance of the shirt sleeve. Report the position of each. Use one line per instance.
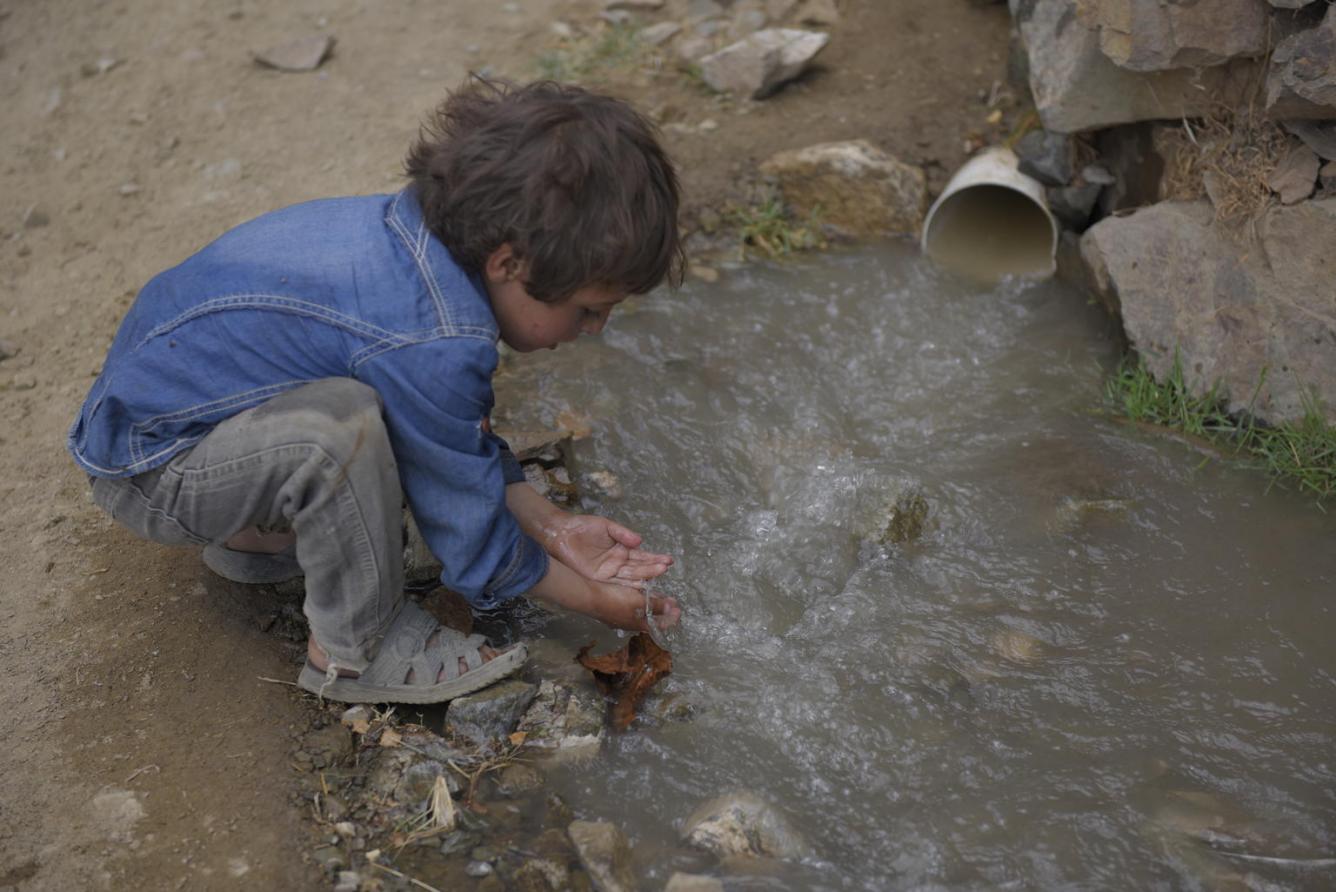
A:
(437, 396)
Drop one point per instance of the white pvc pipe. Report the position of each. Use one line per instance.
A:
(992, 221)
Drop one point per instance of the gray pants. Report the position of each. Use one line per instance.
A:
(316, 459)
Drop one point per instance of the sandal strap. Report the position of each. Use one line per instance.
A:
(405, 648)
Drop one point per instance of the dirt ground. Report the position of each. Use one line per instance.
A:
(139, 748)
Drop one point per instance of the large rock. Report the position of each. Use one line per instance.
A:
(743, 824)
(491, 714)
(1229, 311)
(854, 186)
(1302, 80)
(761, 63)
(1151, 35)
(604, 854)
(1077, 87)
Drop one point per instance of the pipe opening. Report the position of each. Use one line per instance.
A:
(988, 231)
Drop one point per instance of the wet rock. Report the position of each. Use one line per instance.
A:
(743, 824)
(300, 54)
(686, 882)
(477, 869)
(1016, 646)
(566, 719)
(1302, 79)
(1295, 175)
(1150, 35)
(491, 714)
(1077, 87)
(519, 778)
(1048, 157)
(605, 855)
(658, 34)
(760, 64)
(855, 187)
(909, 516)
(459, 841)
(1183, 285)
(607, 483)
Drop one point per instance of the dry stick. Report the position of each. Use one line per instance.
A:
(403, 876)
(291, 684)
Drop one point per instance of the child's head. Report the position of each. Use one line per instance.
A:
(564, 193)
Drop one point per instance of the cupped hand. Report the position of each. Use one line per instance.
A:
(623, 607)
(603, 551)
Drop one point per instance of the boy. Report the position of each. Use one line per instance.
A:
(274, 397)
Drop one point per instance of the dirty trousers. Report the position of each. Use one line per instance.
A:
(316, 459)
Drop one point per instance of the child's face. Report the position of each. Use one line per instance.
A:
(527, 324)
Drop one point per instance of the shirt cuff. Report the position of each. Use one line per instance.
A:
(526, 569)
(510, 467)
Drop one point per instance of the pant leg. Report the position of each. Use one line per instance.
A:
(317, 458)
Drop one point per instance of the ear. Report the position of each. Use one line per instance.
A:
(502, 265)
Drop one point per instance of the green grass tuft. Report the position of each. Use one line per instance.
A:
(768, 228)
(613, 47)
(1301, 453)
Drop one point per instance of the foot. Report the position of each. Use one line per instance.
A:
(320, 659)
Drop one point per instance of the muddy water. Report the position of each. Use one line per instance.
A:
(1105, 663)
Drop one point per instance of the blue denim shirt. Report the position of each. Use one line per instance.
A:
(352, 287)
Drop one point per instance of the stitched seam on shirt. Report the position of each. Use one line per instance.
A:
(419, 257)
(140, 428)
(269, 302)
(468, 331)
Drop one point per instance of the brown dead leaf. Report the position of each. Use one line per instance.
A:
(518, 738)
(627, 674)
(390, 737)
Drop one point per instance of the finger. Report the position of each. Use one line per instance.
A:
(621, 534)
(638, 555)
(640, 572)
(667, 612)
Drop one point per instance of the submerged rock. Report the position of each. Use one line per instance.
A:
(764, 61)
(909, 515)
(605, 855)
(743, 824)
(687, 882)
(853, 186)
(566, 719)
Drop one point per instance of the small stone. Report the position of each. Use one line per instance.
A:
(356, 719)
(1296, 174)
(709, 125)
(35, 217)
(763, 62)
(458, 841)
(328, 857)
(658, 34)
(686, 882)
(101, 66)
(818, 13)
(743, 824)
(564, 30)
(346, 829)
(300, 54)
(478, 869)
(129, 188)
(604, 853)
(607, 483)
(491, 714)
(8, 349)
(348, 881)
(1098, 175)
(1327, 176)
(1320, 136)
(54, 97)
(1046, 156)
(706, 274)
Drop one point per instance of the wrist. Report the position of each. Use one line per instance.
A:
(537, 516)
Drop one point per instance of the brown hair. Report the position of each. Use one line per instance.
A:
(575, 182)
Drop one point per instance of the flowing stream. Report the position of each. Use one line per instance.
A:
(1107, 662)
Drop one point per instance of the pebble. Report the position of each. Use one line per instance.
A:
(328, 857)
(129, 188)
(35, 217)
(8, 349)
(478, 869)
(348, 881)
